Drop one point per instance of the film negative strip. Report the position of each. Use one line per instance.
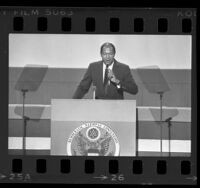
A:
(98, 95)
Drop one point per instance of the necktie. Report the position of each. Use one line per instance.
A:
(106, 76)
(105, 83)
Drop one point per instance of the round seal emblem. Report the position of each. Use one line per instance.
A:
(93, 139)
(93, 133)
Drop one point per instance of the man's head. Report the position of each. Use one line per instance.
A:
(108, 53)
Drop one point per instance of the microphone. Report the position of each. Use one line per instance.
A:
(94, 91)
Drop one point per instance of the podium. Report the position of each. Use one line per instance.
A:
(86, 127)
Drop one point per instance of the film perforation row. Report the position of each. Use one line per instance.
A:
(90, 25)
(113, 166)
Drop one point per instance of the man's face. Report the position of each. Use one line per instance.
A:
(107, 55)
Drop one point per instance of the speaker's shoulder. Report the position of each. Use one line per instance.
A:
(94, 64)
(122, 65)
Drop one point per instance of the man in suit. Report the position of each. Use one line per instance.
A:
(109, 77)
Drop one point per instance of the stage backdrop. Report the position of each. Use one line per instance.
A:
(77, 51)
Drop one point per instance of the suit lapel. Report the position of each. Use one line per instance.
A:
(100, 73)
(115, 68)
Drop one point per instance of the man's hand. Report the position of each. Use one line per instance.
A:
(112, 77)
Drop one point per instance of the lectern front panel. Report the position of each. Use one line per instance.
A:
(93, 127)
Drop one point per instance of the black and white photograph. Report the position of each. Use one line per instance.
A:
(123, 95)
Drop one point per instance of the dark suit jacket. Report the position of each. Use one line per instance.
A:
(94, 74)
